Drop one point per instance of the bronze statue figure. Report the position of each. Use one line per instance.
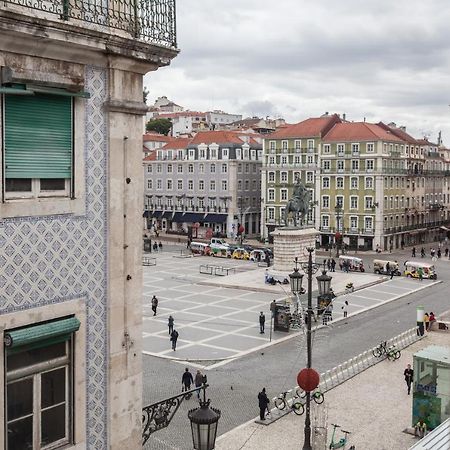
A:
(298, 203)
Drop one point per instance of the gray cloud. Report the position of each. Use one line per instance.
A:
(383, 60)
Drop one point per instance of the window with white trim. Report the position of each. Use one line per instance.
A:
(340, 201)
(368, 202)
(247, 168)
(169, 184)
(179, 168)
(297, 160)
(309, 177)
(325, 221)
(224, 168)
(297, 144)
(169, 202)
(149, 168)
(224, 185)
(180, 185)
(212, 185)
(369, 183)
(212, 168)
(201, 168)
(368, 223)
(353, 202)
(339, 182)
(326, 165)
(272, 145)
(201, 185)
(271, 177)
(325, 201)
(271, 213)
(354, 222)
(326, 183)
(326, 149)
(225, 153)
(149, 184)
(355, 164)
(354, 183)
(191, 153)
(370, 147)
(284, 194)
(271, 195)
(191, 185)
(341, 149)
(238, 153)
(191, 168)
(283, 177)
(370, 164)
(158, 168)
(159, 184)
(284, 145)
(340, 165)
(355, 148)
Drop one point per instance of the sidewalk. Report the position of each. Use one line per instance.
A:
(373, 406)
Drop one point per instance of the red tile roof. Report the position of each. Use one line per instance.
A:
(426, 142)
(151, 157)
(223, 137)
(180, 114)
(177, 143)
(399, 133)
(155, 137)
(313, 127)
(359, 131)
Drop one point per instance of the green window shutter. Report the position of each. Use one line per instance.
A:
(38, 136)
(40, 335)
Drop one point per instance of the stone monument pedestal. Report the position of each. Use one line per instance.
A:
(290, 243)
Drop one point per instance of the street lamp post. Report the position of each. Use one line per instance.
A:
(324, 283)
(338, 234)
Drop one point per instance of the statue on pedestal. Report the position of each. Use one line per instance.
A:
(299, 203)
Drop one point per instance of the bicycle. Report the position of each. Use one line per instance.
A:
(281, 403)
(317, 396)
(380, 350)
(342, 442)
(393, 354)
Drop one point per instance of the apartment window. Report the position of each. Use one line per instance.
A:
(212, 168)
(355, 148)
(272, 145)
(369, 183)
(224, 168)
(201, 168)
(340, 201)
(370, 147)
(271, 177)
(149, 168)
(39, 409)
(247, 168)
(191, 153)
(238, 153)
(284, 195)
(310, 144)
(341, 149)
(310, 159)
(283, 177)
(202, 152)
(370, 164)
(212, 185)
(297, 160)
(284, 160)
(224, 185)
(191, 185)
(325, 183)
(159, 184)
(271, 160)
(254, 185)
(326, 148)
(179, 168)
(326, 164)
(239, 185)
(158, 168)
(353, 202)
(355, 164)
(368, 222)
(339, 183)
(213, 152)
(309, 177)
(284, 145)
(271, 195)
(325, 221)
(158, 202)
(354, 182)
(169, 185)
(201, 203)
(271, 213)
(255, 168)
(201, 185)
(224, 153)
(354, 222)
(180, 154)
(325, 201)
(149, 184)
(297, 144)
(169, 202)
(180, 185)
(191, 168)
(340, 166)
(169, 168)
(368, 202)
(38, 162)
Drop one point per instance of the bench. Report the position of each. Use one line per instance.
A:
(209, 269)
(148, 261)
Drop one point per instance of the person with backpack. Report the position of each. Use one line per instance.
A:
(173, 337)
(186, 380)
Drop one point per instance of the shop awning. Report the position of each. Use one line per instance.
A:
(167, 215)
(157, 214)
(146, 214)
(177, 217)
(216, 218)
(37, 336)
(193, 217)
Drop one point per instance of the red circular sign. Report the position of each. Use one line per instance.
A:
(196, 225)
(308, 379)
(337, 235)
(241, 229)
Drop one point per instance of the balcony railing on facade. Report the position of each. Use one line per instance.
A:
(418, 226)
(218, 209)
(347, 231)
(150, 21)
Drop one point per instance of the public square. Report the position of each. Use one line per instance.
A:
(236, 358)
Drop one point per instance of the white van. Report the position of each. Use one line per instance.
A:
(218, 241)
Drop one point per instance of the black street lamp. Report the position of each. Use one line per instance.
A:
(296, 280)
(324, 283)
(204, 422)
(338, 234)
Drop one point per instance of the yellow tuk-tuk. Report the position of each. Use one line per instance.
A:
(414, 268)
(351, 264)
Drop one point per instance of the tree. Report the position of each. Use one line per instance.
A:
(161, 126)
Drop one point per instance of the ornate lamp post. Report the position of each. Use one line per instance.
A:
(308, 378)
(204, 422)
(338, 234)
(296, 279)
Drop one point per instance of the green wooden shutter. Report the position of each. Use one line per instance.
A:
(38, 136)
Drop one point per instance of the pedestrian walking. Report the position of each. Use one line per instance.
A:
(263, 402)
(199, 380)
(413, 252)
(333, 265)
(391, 247)
(420, 272)
(188, 244)
(446, 252)
(388, 268)
(170, 322)
(402, 244)
(160, 246)
(432, 252)
(439, 253)
(173, 338)
(329, 264)
(345, 308)
(155, 247)
(392, 272)
(154, 304)
(186, 380)
(408, 374)
(262, 321)
(422, 252)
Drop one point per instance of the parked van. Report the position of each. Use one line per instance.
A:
(199, 248)
(413, 268)
(218, 241)
(383, 267)
(353, 263)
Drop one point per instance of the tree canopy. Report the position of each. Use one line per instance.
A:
(161, 126)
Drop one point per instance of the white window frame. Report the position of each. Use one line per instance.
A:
(325, 202)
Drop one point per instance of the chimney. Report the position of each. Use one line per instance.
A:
(403, 128)
(343, 116)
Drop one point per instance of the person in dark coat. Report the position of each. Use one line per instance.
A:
(173, 338)
(263, 401)
(333, 265)
(154, 304)
(262, 321)
(160, 246)
(186, 380)
(170, 322)
(409, 375)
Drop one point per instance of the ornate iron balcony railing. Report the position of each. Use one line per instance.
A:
(151, 21)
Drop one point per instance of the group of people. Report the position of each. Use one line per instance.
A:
(429, 319)
(434, 254)
(330, 264)
(170, 322)
(187, 380)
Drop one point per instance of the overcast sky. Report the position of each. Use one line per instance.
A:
(382, 60)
